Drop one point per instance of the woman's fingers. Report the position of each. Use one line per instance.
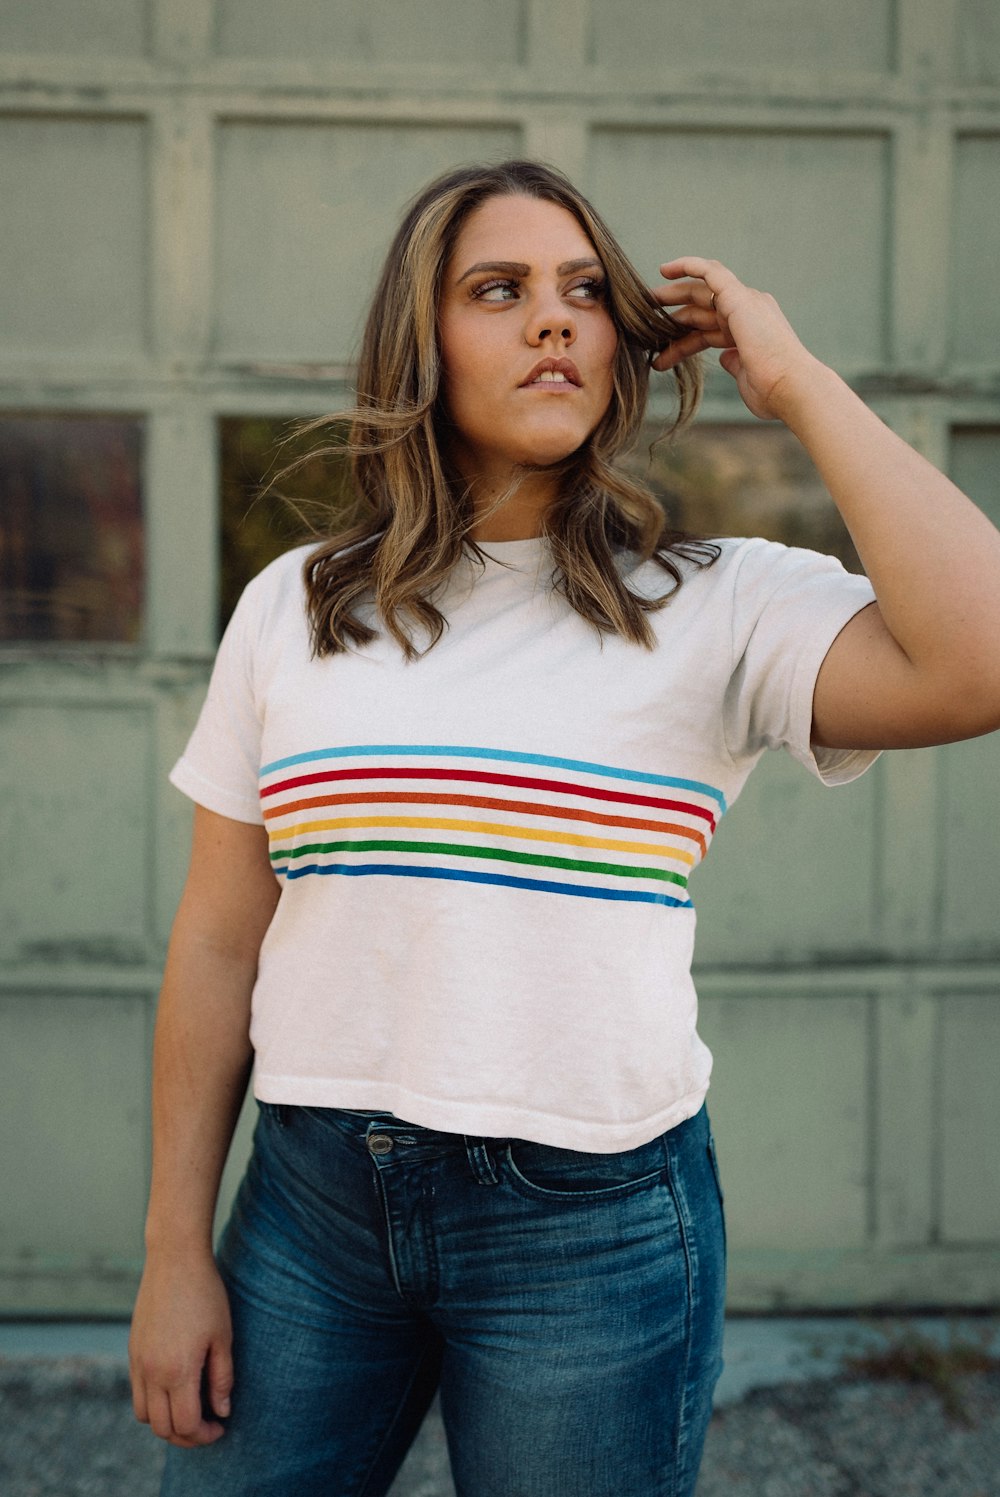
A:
(707, 285)
(139, 1405)
(681, 293)
(683, 348)
(173, 1409)
(219, 1377)
(185, 1409)
(714, 309)
(731, 362)
(705, 318)
(158, 1412)
(713, 272)
(180, 1349)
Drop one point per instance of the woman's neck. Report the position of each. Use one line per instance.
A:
(521, 515)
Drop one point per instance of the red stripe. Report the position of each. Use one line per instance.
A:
(480, 777)
(487, 803)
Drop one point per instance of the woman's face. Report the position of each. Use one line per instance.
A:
(527, 342)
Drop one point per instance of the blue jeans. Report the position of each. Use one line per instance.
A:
(569, 1306)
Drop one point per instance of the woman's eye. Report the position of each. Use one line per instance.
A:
(587, 290)
(496, 291)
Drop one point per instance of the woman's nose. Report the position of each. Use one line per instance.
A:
(552, 324)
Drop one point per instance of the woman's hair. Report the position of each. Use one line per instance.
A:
(413, 513)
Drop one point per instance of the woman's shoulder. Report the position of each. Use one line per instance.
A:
(704, 560)
(737, 576)
(279, 581)
(277, 574)
(748, 560)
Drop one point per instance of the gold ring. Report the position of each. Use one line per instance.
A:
(713, 302)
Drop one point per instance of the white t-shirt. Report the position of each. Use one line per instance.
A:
(485, 925)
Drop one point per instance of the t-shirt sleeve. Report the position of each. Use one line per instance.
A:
(789, 606)
(220, 766)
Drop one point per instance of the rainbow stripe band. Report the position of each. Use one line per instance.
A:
(403, 799)
(545, 886)
(360, 750)
(557, 786)
(461, 850)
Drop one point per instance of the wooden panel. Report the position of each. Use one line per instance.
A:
(789, 1107)
(489, 32)
(73, 1130)
(970, 772)
(974, 461)
(719, 193)
(72, 237)
(977, 41)
(841, 1280)
(182, 529)
(715, 34)
(975, 317)
(970, 1118)
(88, 28)
(239, 1153)
(177, 713)
(305, 216)
(968, 850)
(905, 1054)
(73, 818)
(791, 874)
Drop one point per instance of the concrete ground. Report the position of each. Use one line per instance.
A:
(792, 1417)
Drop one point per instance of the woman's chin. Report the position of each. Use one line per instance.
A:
(552, 452)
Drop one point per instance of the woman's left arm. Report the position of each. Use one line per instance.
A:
(922, 664)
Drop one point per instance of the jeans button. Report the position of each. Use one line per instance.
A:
(380, 1143)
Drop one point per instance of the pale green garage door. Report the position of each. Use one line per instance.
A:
(194, 198)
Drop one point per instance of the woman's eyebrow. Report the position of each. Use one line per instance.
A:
(516, 267)
(569, 267)
(495, 267)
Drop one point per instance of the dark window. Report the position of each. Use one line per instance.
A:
(71, 532)
(745, 480)
(256, 525)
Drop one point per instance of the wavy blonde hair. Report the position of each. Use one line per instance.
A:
(412, 513)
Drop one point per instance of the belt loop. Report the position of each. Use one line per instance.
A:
(480, 1161)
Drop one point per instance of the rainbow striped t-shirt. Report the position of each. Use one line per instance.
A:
(485, 922)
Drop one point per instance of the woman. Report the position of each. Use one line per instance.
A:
(490, 730)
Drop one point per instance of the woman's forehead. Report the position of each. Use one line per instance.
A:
(530, 231)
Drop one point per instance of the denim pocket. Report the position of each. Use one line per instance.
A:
(713, 1156)
(542, 1170)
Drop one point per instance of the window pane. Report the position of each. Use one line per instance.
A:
(256, 526)
(745, 480)
(71, 536)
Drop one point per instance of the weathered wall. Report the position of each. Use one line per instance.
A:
(195, 198)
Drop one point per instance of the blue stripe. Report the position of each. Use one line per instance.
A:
(585, 891)
(450, 751)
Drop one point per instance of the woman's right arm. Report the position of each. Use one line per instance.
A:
(181, 1335)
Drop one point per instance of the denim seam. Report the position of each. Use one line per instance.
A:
(541, 1193)
(387, 1228)
(364, 1489)
(684, 1227)
(433, 1286)
(714, 1158)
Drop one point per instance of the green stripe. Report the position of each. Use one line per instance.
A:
(618, 870)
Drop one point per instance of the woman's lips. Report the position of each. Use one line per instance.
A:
(553, 374)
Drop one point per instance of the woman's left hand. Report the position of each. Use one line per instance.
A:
(758, 346)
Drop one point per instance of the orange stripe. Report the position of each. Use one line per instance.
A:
(522, 807)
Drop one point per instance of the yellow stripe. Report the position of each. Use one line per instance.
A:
(489, 828)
